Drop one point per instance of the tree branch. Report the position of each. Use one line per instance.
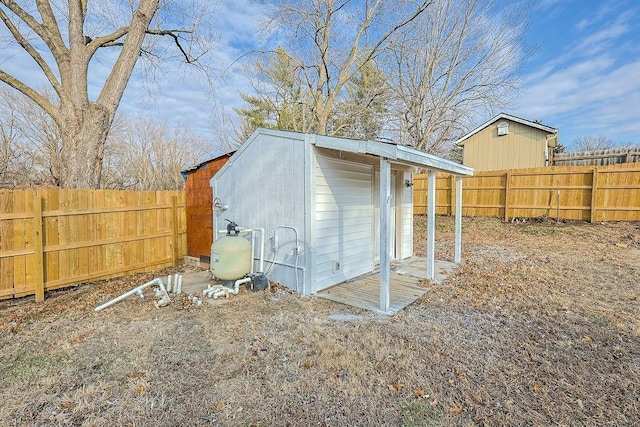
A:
(174, 34)
(76, 24)
(42, 101)
(50, 36)
(121, 72)
(24, 43)
(108, 40)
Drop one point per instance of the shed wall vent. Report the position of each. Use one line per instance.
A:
(503, 128)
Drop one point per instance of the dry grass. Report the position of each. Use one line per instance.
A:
(540, 326)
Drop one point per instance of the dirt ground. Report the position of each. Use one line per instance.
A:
(540, 326)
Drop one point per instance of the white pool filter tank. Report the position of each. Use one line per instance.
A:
(231, 256)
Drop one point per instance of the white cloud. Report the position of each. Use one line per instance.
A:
(591, 86)
(591, 98)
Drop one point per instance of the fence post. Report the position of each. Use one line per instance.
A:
(174, 229)
(594, 191)
(38, 248)
(507, 194)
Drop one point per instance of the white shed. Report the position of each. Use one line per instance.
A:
(318, 199)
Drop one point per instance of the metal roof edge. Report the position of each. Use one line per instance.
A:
(429, 161)
(394, 152)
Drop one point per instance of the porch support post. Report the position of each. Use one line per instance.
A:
(458, 219)
(431, 225)
(385, 225)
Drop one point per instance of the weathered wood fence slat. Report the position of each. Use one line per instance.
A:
(603, 193)
(52, 238)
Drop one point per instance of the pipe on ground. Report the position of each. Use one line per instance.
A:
(138, 290)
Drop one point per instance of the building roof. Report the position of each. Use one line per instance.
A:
(187, 171)
(394, 152)
(503, 116)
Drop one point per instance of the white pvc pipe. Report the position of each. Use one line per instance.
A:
(295, 267)
(236, 287)
(253, 245)
(179, 286)
(136, 290)
(219, 290)
(261, 230)
(296, 249)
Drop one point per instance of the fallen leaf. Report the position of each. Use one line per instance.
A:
(396, 387)
(420, 392)
(633, 298)
(337, 372)
(134, 374)
(455, 409)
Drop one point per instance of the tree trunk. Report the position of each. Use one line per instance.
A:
(83, 142)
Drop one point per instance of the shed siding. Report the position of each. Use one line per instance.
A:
(198, 208)
(343, 221)
(522, 147)
(265, 188)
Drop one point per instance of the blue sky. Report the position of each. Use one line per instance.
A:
(582, 76)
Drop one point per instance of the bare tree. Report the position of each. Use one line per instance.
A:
(225, 130)
(459, 57)
(592, 143)
(146, 155)
(63, 40)
(331, 41)
(10, 147)
(30, 140)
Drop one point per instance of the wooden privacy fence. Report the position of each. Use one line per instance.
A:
(52, 238)
(607, 193)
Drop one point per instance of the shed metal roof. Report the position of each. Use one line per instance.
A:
(394, 152)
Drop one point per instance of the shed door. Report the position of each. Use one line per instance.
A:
(343, 221)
